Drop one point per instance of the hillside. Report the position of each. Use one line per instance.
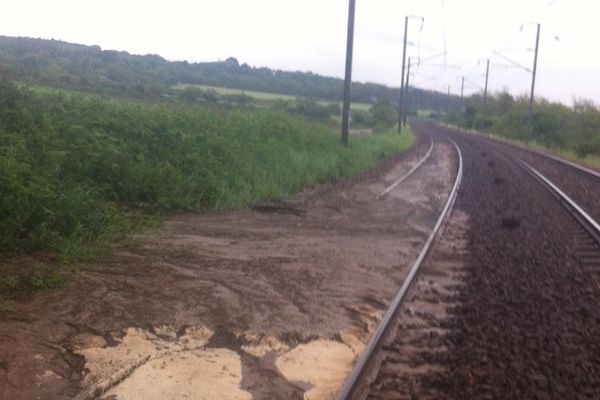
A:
(61, 64)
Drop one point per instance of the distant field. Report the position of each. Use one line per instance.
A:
(263, 95)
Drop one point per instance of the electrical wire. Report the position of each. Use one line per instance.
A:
(513, 62)
(472, 83)
(444, 30)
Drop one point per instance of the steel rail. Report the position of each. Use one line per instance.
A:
(409, 173)
(571, 164)
(353, 381)
(573, 208)
(574, 165)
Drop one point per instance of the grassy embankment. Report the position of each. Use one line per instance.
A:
(78, 172)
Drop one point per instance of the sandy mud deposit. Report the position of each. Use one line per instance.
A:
(250, 304)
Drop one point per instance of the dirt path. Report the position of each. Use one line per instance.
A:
(240, 305)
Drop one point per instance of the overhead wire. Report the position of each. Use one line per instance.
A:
(506, 55)
(513, 62)
(444, 29)
(472, 83)
(425, 62)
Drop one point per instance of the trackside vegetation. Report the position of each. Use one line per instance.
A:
(572, 132)
(78, 171)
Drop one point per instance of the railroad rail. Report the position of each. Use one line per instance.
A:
(409, 173)
(558, 159)
(360, 368)
(589, 225)
(588, 171)
(587, 222)
(586, 240)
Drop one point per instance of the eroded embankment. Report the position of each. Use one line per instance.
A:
(263, 304)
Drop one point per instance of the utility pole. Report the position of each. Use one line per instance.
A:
(405, 105)
(462, 88)
(348, 76)
(535, 58)
(401, 100)
(448, 90)
(487, 75)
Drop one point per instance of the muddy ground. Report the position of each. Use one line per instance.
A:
(264, 304)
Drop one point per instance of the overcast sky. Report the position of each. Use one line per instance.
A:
(310, 35)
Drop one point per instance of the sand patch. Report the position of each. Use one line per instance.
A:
(106, 364)
(199, 374)
(163, 364)
(324, 364)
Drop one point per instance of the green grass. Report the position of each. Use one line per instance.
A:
(359, 106)
(264, 96)
(421, 113)
(80, 172)
(228, 91)
(40, 277)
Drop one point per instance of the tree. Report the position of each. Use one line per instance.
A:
(383, 115)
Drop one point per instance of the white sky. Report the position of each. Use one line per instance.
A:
(311, 35)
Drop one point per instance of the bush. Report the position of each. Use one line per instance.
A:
(571, 129)
(383, 116)
(311, 108)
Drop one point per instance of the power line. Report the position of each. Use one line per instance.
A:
(511, 61)
(444, 29)
(472, 83)
(432, 57)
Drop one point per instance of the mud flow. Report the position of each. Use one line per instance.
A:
(274, 302)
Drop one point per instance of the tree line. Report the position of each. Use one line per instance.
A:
(61, 64)
(574, 129)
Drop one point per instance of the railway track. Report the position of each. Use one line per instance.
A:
(451, 331)
(585, 238)
(579, 182)
(364, 366)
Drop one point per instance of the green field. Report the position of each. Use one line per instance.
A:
(263, 95)
(424, 113)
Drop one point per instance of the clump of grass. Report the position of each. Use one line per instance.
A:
(8, 284)
(41, 277)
